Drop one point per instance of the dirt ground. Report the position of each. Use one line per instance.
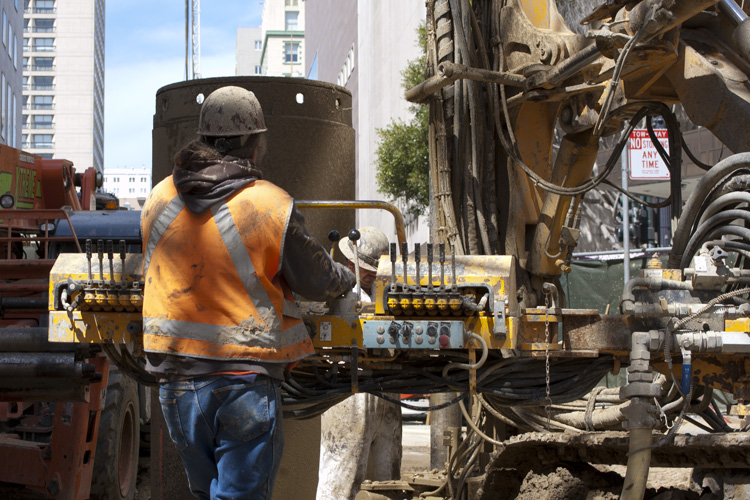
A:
(580, 481)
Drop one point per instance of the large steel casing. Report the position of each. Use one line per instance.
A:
(310, 145)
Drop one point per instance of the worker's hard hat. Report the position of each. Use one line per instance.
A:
(230, 112)
(371, 245)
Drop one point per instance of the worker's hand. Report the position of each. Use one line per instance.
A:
(347, 275)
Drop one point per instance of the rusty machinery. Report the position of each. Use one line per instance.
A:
(480, 312)
(51, 393)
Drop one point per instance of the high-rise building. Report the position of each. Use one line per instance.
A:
(11, 73)
(283, 35)
(249, 49)
(363, 46)
(63, 76)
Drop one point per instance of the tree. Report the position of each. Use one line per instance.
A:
(402, 168)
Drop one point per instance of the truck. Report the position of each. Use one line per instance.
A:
(479, 313)
(60, 404)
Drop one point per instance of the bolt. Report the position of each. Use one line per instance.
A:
(380, 329)
(380, 339)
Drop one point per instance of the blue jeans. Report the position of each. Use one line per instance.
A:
(228, 431)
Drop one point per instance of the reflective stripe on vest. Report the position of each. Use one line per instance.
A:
(192, 339)
(162, 222)
(244, 266)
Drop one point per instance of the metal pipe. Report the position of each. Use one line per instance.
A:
(23, 303)
(625, 216)
(565, 69)
(43, 364)
(620, 252)
(368, 204)
(449, 72)
(33, 340)
(733, 11)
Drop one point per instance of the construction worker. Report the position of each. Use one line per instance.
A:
(361, 436)
(223, 252)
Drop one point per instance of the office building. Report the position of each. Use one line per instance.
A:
(11, 73)
(63, 77)
(364, 46)
(283, 35)
(248, 51)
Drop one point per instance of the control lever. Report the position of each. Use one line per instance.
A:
(394, 257)
(333, 237)
(417, 262)
(100, 251)
(429, 266)
(453, 262)
(405, 260)
(441, 257)
(88, 259)
(353, 238)
(122, 260)
(111, 256)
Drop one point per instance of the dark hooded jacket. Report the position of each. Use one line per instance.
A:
(203, 178)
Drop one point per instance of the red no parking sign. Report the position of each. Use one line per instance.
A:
(644, 159)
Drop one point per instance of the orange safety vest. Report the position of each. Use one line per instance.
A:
(212, 285)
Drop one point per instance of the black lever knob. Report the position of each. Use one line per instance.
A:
(334, 236)
(354, 235)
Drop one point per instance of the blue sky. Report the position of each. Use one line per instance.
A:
(145, 50)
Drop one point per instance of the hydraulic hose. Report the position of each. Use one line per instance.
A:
(639, 460)
(692, 207)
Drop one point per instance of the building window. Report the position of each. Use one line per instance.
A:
(291, 3)
(44, 6)
(44, 25)
(115, 179)
(346, 69)
(42, 102)
(143, 179)
(25, 63)
(10, 40)
(291, 21)
(5, 29)
(131, 190)
(3, 109)
(143, 190)
(44, 45)
(13, 142)
(43, 83)
(258, 70)
(258, 44)
(41, 121)
(42, 141)
(15, 52)
(43, 64)
(131, 179)
(291, 52)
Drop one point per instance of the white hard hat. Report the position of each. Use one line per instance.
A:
(371, 245)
